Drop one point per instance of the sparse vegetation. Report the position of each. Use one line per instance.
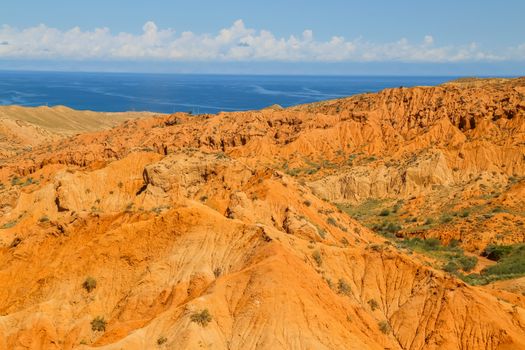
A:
(98, 324)
(384, 327)
(373, 304)
(343, 287)
(202, 318)
(217, 272)
(451, 255)
(9, 224)
(161, 340)
(89, 284)
(317, 258)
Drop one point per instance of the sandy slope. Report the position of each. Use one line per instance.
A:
(234, 213)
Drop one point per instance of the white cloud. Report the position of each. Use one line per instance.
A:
(236, 43)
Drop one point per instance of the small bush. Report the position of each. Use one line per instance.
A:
(317, 257)
(331, 221)
(384, 327)
(202, 318)
(217, 272)
(307, 203)
(89, 284)
(98, 324)
(496, 252)
(343, 287)
(451, 267)
(467, 263)
(161, 340)
(373, 304)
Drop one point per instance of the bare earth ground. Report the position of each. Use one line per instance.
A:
(358, 223)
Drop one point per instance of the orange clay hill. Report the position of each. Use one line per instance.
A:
(392, 220)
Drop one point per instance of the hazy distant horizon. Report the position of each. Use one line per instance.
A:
(506, 69)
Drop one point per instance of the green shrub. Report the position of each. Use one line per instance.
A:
(467, 263)
(98, 324)
(331, 221)
(384, 212)
(202, 318)
(445, 219)
(451, 267)
(512, 263)
(496, 252)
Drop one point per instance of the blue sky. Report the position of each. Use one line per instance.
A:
(331, 36)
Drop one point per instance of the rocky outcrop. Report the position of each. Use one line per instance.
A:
(222, 232)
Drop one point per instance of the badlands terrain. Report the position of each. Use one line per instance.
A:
(393, 220)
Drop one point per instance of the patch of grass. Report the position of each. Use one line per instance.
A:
(452, 256)
(384, 212)
(202, 318)
(9, 224)
(496, 252)
(98, 324)
(511, 261)
(445, 219)
(464, 214)
(28, 182)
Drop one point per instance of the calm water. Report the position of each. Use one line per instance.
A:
(168, 93)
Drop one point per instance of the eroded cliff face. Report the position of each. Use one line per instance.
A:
(235, 214)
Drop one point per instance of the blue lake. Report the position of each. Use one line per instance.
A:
(169, 93)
